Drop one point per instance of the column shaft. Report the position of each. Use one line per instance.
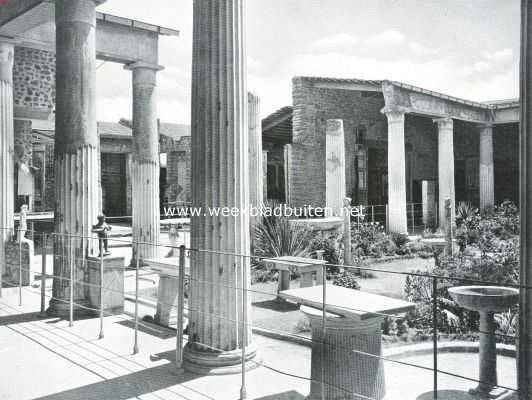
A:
(397, 220)
(221, 179)
(145, 162)
(255, 156)
(7, 52)
(486, 180)
(525, 204)
(77, 164)
(335, 166)
(445, 168)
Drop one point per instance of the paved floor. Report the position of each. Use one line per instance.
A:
(46, 359)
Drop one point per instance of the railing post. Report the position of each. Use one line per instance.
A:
(435, 335)
(243, 391)
(372, 214)
(137, 265)
(2, 267)
(324, 330)
(101, 335)
(71, 256)
(43, 273)
(180, 309)
(19, 267)
(386, 218)
(412, 213)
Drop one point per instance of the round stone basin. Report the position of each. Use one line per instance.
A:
(485, 298)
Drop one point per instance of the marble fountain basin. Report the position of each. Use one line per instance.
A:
(485, 298)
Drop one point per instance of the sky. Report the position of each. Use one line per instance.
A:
(464, 48)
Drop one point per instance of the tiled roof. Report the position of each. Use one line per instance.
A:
(113, 129)
(174, 131)
(339, 80)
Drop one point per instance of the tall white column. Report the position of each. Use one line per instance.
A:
(334, 166)
(7, 54)
(145, 162)
(486, 180)
(77, 164)
(255, 154)
(445, 168)
(397, 220)
(221, 179)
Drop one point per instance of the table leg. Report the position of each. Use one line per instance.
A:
(319, 276)
(306, 279)
(284, 280)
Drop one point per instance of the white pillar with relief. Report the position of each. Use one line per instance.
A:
(7, 54)
(397, 220)
(486, 180)
(445, 168)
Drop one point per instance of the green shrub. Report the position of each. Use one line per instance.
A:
(347, 279)
(399, 239)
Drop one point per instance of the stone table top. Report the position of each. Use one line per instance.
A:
(349, 303)
(168, 266)
(295, 261)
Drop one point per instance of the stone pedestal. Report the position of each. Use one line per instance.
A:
(445, 168)
(397, 220)
(486, 179)
(428, 195)
(335, 167)
(18, 254)
(6, 147)
(77, 166)
(220, 163)
(341, 373)
(145, 162)
(167, 293)
(113, 284)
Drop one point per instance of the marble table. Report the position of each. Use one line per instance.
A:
(167, 291)
(345, 355)
(305, 266)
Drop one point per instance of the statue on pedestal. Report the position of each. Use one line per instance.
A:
(102, 228)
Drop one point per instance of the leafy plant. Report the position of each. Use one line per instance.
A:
(347, 279)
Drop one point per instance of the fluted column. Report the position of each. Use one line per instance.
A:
(145, 161)
(445, 168)
(255, 156)
(486, 180)
(221, 179)
(397, 221)
(7, 51)
(77, 164)
(334, 167)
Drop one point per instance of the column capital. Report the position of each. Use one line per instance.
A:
(143, 65)
(395, 113)
(444, 123)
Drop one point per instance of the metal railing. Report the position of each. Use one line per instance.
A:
(242, 291)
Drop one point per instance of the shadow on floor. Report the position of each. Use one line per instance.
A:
(447, 395)
(277, 305)
(21, 318)
(158, 331)
(292, 395)
(131, 386)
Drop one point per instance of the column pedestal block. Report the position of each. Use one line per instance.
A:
(113, 283)
(345, 373)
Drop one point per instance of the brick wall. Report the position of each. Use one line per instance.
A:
(34, 78)
(178, 176)
(313, 106)
(305, 165)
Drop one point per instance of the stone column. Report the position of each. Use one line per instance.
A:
(335, 167)
(255, 157)
(7, 186)
(77, 163)
(221, 166)
(145, 162)
(397, 221)
(486, 180)
(445, 168)
(524, 344)
(264, 175)
(428, 195)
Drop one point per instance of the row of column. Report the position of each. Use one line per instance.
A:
(397, 212)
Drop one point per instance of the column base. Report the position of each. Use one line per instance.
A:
(206, 362)
(61, 308)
